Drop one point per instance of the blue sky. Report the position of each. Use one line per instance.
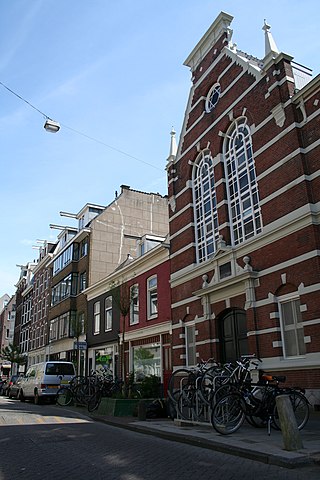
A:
(113, 71)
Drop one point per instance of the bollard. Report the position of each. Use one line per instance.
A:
(290, 434)
(142, 410)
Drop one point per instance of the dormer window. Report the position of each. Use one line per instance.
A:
(213, 97)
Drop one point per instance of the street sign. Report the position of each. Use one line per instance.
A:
(80, 345)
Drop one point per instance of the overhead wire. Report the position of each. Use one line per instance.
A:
(81, 133)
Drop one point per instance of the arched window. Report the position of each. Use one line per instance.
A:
(212, 97)
(242, 187)
(205, 207)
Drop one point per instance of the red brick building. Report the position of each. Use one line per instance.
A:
(139, 337)
(244, 196)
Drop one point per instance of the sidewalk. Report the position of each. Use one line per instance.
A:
(249, 442)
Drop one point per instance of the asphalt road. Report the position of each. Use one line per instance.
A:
(50, 443)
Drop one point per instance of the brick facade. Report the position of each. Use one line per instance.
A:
(279, 261)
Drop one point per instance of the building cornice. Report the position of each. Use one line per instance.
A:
(219, 26)
(148, 331)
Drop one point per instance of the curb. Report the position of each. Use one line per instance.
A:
(298, 461)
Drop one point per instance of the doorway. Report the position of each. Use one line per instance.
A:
(233, 335)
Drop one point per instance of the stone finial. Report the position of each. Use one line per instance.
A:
(270, 44)
(247, 266)
(173, 146)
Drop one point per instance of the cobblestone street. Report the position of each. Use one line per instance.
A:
(47, 442)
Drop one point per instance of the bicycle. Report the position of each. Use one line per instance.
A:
(257, 404)
(183, 389)
(79, 390)
(105, 387)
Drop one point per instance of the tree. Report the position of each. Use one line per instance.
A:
(12, 354)
(122, 296)
(78, 328)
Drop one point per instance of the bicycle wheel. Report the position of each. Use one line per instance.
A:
(171, 408)
(83, 392)
(198, 406)
(228, 414)
(222, 392)
(94, 402)
(177, 381)
(300, 409)
(184, 404)
(64, 396)
(212, 379)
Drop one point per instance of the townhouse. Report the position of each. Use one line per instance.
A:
(7, 321)
(87, 253)
(134, 302)
(41, 298)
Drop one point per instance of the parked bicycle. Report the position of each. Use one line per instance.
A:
(193, 391)
(104, 387)
(78, 391)
(257, 404)
(184, 386)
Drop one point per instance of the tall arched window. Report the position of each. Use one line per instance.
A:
(242, 187)
(205, 207)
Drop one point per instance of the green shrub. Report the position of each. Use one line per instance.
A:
(150, 387)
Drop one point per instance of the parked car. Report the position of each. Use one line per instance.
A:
(14, 386)
(43, 380)
(2, 382)
(8, 383)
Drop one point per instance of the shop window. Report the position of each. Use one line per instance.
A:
(146, 361)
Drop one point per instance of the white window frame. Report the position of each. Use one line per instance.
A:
(152, 294)
(242, 187)
(213, 97)
(64, 325)
(134, 305)
(54, 329)
(96, 318)
(296, 326)
(205, 207)
(108, 313)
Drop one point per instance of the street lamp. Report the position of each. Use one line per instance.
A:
(51, 126)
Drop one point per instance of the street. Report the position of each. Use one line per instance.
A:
(49, 442)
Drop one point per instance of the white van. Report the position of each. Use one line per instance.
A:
(43, 380)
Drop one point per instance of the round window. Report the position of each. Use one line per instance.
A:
(213, 97)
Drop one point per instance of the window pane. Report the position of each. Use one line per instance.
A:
(134, 308)
(152, 296)
(292, 328)
(108, 313)
(205, 210)
(191, 345)
(146, 361)
(242, 189)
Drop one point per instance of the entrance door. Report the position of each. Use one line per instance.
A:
(233, 336)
